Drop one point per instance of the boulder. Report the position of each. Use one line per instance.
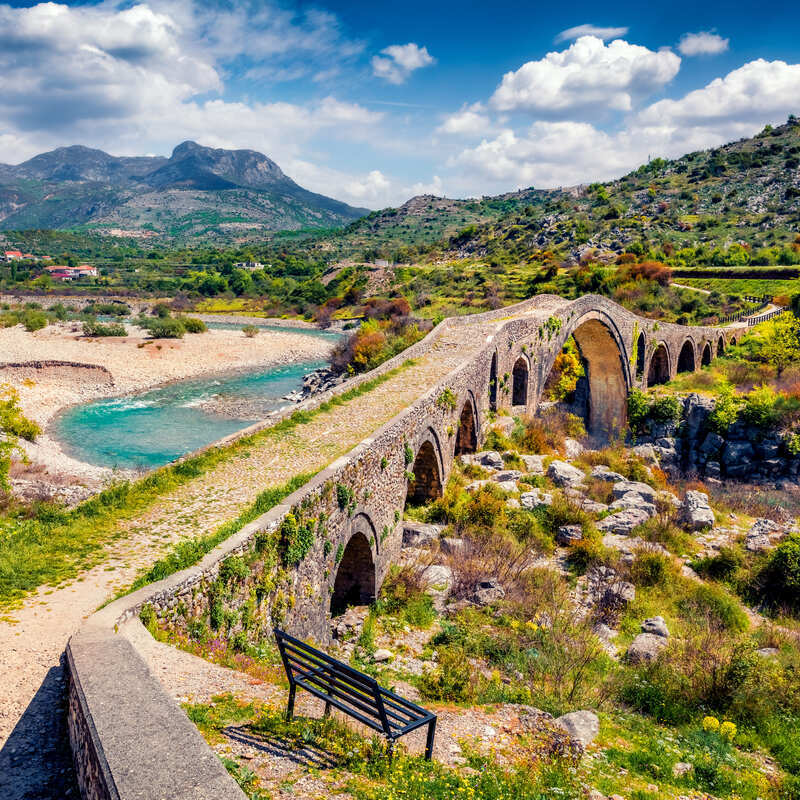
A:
(564, 474)
(757, 542)
(695, 513)
(418, 534)
(507, 475)
(507, 486)
(637, 487)
(488, 591)
(623, 522)
(504, 425)
(536, 498)
(713, 470)
(605, 474)
(592, 506)
(381, 655)
(712, 444)
(581, 725)
(452, 546)
(647, 453)
(512, 502)
(569, 534)
(737, 455)
(604, 586)
(656, 626)
(437, 575)
(572, 448)
(491, 459)
(697, 410)
(644, 649)
(534, 464)
(634, 500)
(681, 769)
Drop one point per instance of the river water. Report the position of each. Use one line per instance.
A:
(153, 428)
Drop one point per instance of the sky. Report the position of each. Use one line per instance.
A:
(375, 102)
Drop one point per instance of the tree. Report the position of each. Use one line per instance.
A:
(781, 346)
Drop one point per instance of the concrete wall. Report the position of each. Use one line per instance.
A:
(113, 698)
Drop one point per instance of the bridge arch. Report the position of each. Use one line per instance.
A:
(428, 470)
(467, 434)
(493, 383)
(721, 347)
(520, 381)
(705, 359)
(686, 357)
(356, 578)
(606, 365)
(660, 368)
(641, 348)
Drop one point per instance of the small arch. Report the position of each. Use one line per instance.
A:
(659, 366)
(705, 360)
(493, 383)
(641, 346)
(427, 483)
(355, 578)
(686, 362)
(721, 347)
(467, 436)
(519, 384)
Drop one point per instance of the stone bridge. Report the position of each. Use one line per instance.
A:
(332, 542)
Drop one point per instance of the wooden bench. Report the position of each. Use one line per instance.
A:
(352, 692)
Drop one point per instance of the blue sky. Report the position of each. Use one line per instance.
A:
(374, 102)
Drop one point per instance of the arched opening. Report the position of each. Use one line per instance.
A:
(355, 578)
(705, 359)
(659, 366)
(686, 358)
(427, 483)
(721, 347)
(467, 436)
(493, 384)
(641, 346)
(601, 389)
(519, 385)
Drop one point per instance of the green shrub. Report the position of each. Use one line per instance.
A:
(34, 320)
(780, 579)
(721, 567)
(452, 680)
(250, 331)
(651, 568)
(166, 328)
(193, 325)
(93, 328)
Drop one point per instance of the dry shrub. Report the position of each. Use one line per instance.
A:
(619, 459)
(545, 433)
(651, 271)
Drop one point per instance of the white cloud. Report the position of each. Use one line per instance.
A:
(469, 121)
(704, 43)
(590, 30)
(588, 76)
(397, 62)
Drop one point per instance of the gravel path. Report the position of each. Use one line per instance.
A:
(32, 638)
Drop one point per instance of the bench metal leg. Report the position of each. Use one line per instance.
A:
(429, 742)
(391, 750)
(290, 707)
(327, 711)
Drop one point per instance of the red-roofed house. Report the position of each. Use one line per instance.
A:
(86, 271)
(12, 255)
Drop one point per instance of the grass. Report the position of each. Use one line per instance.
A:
(741, 286)
(47, 544)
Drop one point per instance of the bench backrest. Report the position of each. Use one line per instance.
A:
(347, 689)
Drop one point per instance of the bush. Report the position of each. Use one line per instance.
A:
(34, 320)
(780, 579)
(193, 325)
(721, 567)
(166, 328)
(250, 331)
(92, 328)
(452, 680)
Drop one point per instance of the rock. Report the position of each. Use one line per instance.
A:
(564, 474)
(656, 626)
(697, 410)
(534, 464)
(647, 453)
(695, 513)
(512, 502)
(713, 470)
(623, 487)
(737, 455)
(418, 534)
(604, 586)
(536, 498)
(605, 474)
(757, 542)
(681, 769)
(507, 475)
(644, 649)
(572, 448)
(382, 655)
(452, 546)
(487, 592)
(669, 499)
(507, 486)
(712, 444)
(767, 652)
(592, 506)
(764, 527)
(437, 575)
(623, 522)
(569, 534)
(634, 500)
(504, 425)
(581, 725)
(490, 458)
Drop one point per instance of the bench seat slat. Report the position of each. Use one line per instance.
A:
(375, 724)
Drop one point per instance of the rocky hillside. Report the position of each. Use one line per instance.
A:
(197, 191)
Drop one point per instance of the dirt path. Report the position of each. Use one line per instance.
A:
(31, 732)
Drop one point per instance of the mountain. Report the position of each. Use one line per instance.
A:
(197, 192)
(746, 191)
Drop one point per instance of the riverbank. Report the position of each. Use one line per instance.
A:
(131, 364)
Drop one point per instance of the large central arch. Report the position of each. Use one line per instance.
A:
(602, 352)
